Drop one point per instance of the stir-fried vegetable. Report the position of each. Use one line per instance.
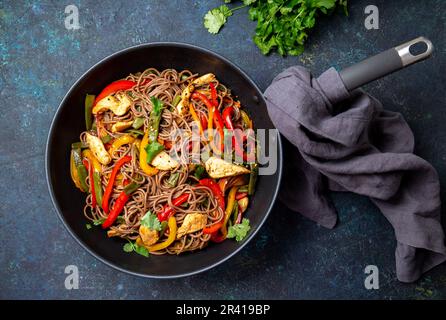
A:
(119, 204)
(149, 170)
(81, 173)
(168, 211)
(113, 88)
(89, 100)
(173, 179)
(153, 147)
(214, 117)
(237, 143)
(229, 209)
(138, 123)
(122, 140)
(111, 181)
(211, 184)
(253, 178)
(172, 223)
(95, 175)
(77, 170)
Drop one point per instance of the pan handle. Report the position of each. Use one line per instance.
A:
(386, 62)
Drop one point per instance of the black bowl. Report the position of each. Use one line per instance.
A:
(69, 122)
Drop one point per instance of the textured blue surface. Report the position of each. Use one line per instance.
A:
(290, 257)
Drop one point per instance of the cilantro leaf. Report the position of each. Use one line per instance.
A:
(88, 226)
(199, 171)
(216, 18)
(128, 247)
(150, 220)
(141, 250)
(98, 222)
(282, 25)
(239, 231)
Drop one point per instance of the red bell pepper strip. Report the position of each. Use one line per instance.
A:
(217, 237)
(114, 87)
(204, 121)
(111, 181)
(89, 168)
(213, 95)
(168, 211)
(227, 115)
(241, 195)
(217, 119)
(216, 191)
(119, 204)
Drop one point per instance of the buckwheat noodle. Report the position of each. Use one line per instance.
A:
(154, 192)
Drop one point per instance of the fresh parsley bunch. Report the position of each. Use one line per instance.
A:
(281, 24)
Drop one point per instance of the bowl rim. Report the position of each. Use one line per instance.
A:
(50, 185)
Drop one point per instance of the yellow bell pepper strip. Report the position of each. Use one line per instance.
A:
(90, 156)
(149, 170)
(195, 117)
(97, 185)
(229, 209)
(122, 140)
(172, 223)
(137, 144)
(89, 100)
(89, 166)
(80, 169)
(73, 172)
(247, 122)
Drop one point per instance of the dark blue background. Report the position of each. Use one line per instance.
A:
(291, 257)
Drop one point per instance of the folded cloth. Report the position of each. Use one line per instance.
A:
(346, 141)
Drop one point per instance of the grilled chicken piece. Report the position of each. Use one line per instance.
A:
(121, 126)
(163, 161)
(192, 222)
(148, 236)
(97, 147)
(219, 168)
(118, 104)
(183, 105)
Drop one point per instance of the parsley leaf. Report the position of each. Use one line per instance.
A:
(150, 220)
(88, 226)
(239, 231)
(216, 18)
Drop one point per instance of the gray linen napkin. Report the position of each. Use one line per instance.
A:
(346, 141)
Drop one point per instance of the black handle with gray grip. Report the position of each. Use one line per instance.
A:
(386, 63)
